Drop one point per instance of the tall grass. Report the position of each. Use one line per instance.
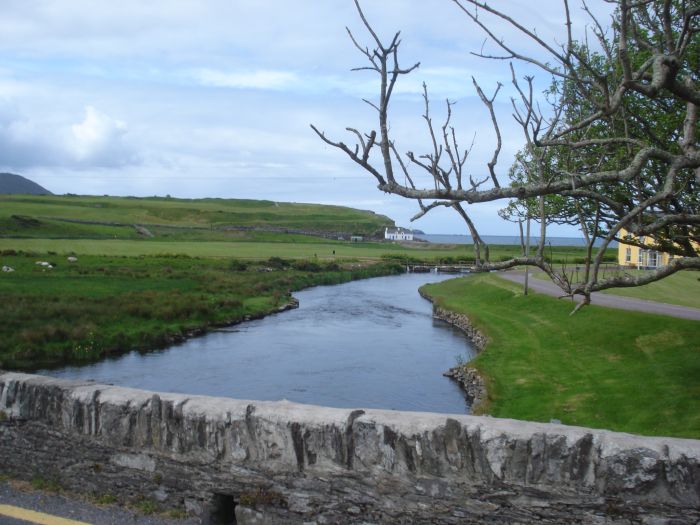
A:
(101, 306)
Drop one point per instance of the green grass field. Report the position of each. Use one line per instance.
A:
(206, 219)
(309, 247)
(242, 249)
(104, 305)
(208, 228)
(682, 288)
(602, 368)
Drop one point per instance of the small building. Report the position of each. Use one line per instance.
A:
(640, 258)
(398, 234)
(356, 238)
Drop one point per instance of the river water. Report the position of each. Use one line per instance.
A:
(365, 344)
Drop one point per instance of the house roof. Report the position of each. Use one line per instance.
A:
(398, 230)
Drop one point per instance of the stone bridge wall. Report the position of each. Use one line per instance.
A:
(280, 462)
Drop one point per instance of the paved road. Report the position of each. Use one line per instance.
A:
(19, 506)
(611, 301)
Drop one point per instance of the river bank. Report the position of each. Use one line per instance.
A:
(370, 343)
(601, 368)
(467, 377)
(102, 306)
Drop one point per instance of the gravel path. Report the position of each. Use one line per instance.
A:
(611, 301)
(19, 495)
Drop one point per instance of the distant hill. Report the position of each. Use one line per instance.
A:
(16, 184)
(164, 218)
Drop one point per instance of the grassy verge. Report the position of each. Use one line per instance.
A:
(681, 288)
(102, 305)
(602, 368)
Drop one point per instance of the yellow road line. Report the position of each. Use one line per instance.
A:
(36, 517)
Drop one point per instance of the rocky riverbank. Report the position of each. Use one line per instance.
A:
(472, 384)
(468, 377)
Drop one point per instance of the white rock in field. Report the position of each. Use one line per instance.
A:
(7, 269)
(72, 259)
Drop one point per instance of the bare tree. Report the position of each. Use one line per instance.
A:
(614, 145)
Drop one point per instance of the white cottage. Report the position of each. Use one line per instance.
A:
(398, 234)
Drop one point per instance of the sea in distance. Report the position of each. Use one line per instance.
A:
(505, 240)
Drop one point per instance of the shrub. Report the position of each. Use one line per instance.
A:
(236, 265)
(277, 263)
(307, 266)
(229, 303)
(402, 259)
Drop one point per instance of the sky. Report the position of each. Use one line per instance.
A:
(213, 98)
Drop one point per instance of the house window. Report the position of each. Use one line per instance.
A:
(640, 258)
(653, 259)
(628, 254)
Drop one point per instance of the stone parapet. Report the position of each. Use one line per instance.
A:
(280, 462)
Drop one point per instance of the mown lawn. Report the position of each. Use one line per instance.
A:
(601, 368)
(681, 288)
(310, 248)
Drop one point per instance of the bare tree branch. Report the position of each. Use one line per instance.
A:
(616, 150)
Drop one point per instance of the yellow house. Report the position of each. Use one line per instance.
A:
(634, 256)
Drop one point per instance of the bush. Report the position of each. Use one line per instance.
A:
(401, 259)
(229, 303)
(307, 266)
(455, 260)
(236, 265)
(278, 263)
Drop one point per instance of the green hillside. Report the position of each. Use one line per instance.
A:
(69, 216)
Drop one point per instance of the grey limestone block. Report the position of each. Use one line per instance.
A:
(282, 462)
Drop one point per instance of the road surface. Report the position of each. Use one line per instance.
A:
(611, 301)
(19, 505)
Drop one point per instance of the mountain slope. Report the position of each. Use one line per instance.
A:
(16, 184)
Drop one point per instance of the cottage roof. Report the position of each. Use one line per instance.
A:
(398, 230)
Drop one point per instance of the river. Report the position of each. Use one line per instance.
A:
(364, 344)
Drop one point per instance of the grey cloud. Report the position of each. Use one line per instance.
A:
(218, 94)
(95, 141)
